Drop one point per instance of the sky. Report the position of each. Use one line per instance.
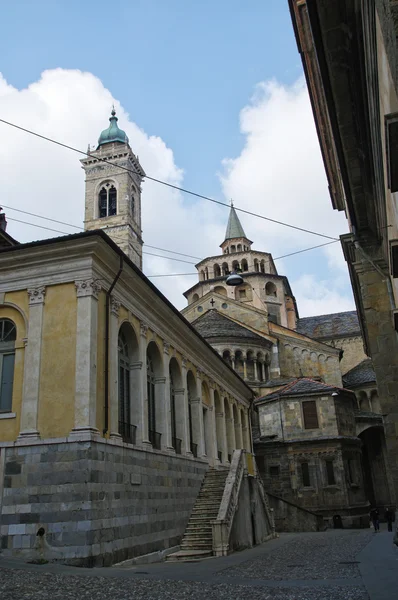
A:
(213, 99)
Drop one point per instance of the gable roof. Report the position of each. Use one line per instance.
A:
(330, 326)
(360, 374)
(215, 325)
(302, 386)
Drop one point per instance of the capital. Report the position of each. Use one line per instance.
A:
(36, 295)
(143, 329)
(115, 306)
(87, 287)
(166, 347)
(184, 363)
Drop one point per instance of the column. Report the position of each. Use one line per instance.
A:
(224, 442)
(255, 370)
(163, 392)
(113, 369)
(244, 368)
(142, 400)
(231, 425)
(197, 415)
(86, 357)
(184, 413)
(31, 382)
(213, 429)
(275, 371)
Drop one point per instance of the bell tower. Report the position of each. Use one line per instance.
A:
(113, 191)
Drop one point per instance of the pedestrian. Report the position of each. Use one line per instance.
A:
(374, 517)
(389, 517)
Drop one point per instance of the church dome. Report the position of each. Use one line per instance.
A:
(113, 133)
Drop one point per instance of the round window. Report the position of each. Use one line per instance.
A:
(200, 308)
(224, 305)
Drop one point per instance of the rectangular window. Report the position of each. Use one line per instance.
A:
(310, 414)
(6, 381)
(351, 471)
(392, 150)
(330, 472)
(242, 293)
(274, 472)
(305, 474)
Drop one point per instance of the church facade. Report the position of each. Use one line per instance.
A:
(112, 406)
(255, 327)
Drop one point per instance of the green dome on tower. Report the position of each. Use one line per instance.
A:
(113, 133)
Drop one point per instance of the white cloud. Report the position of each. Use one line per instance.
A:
(279, 173)
(320, 297)
(73, 107)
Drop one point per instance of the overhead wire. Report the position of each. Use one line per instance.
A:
(165, 183)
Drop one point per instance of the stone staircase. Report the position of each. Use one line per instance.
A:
(198, 539)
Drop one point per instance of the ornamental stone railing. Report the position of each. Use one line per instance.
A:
(221, 527)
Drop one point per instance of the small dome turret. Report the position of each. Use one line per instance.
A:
(113, 133)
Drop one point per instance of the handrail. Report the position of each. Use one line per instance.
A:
(222, 525)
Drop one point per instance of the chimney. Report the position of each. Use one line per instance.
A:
(3, 222)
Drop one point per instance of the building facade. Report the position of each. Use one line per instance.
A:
(349, 54)
(112, 407)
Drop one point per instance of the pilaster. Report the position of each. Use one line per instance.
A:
(186, 441)
(113, 368)
(142, 399)
(86, 357)
(31, 383)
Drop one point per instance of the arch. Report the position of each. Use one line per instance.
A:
(195, 297)
(107, 200)
(217, 270)
(230, 429)
(262, 266)
(256, 266)
(239, 368)
(193, 427)
(237, 427)
(270, 289)
(363, 402)
(8, 336)
(250, 365)
(375, 401)
(220, 289)
(239, 248)
(260, 366)
(176, 404)
(155, 401)
(227, 357)
(219, 426)
(225, 268)
(244, 265)
(233, 248)
(235, 266)
(202, 275)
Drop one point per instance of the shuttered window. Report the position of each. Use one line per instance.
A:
(310, 415)
(305, 474)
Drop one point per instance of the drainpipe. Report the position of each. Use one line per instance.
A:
(106, 373)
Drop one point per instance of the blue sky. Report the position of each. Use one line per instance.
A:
(182, 69)
(210, 96)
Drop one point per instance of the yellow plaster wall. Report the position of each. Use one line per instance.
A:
(9, 428)
(101, 361)
(58, 359)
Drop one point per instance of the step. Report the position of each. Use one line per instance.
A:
(188, 555)
(195, 528)
(206, 535)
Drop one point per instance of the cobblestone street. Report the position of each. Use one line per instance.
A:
(335, 565)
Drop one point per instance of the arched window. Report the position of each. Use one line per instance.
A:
(217, 270)
(202, 275)
(206, 273)
(270, 289)
(227, 357)
(154, 437)
(219, 289)
(8, 334)
(173, 415)
(193, 432)
(195, 297)
(233, 248)
(262, 267)
(126, 429)
(225, 269)
(107, 201)
(256, 267)
(132, 206)
(239, 248)
(235, 266)
(244, 265)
